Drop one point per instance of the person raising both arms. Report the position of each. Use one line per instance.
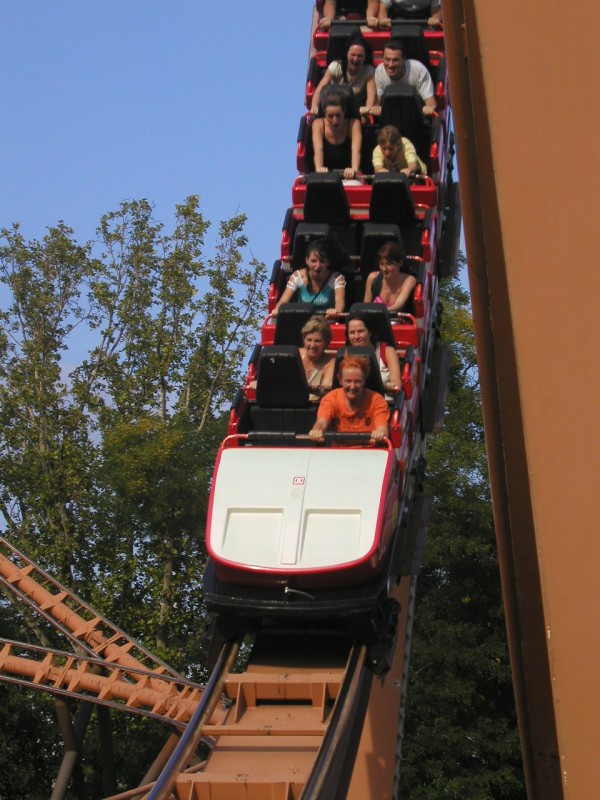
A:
(336, 139)
(337, 9)
(316, 282)
(356, 69)
(352, 408)
(391, 285)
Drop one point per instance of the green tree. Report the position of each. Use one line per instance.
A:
(461, 739)
(118, 362)
(104, 466)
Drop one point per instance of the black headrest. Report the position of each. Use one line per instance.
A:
(326, 199)
(391, 199)
(374, 236)
(379, 320)
(402, 106)
(305, 232)
(338, 34)
(290, 320)
(281, 380)
(413, 39)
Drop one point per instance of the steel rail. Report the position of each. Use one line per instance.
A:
(59, 669)
(11, 573)
(332, 770)
(193, 735)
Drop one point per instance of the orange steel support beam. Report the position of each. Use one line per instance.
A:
(527, 119)
(84, 624)
(90, 679)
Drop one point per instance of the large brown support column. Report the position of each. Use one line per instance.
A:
(527, 121)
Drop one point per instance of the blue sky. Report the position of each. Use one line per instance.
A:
(108, 100)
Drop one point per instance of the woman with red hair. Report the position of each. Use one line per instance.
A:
(352, 408)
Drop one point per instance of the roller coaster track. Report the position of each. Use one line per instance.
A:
(287, 727)
(303, 718)
(110, 668)
(70, 615)
(289, 724)
(289, 733)
(162, 697)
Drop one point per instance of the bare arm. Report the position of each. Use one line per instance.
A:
(340, 302)
(385, 23)
(368, 298)
(319, 428)
(327, 379)
(379, 433)
(430, 106)
(285, 298)
(371, 92)
(436, 17)
(378, 160)
(317, 139)
(373, 13)
(356, 138)
(287, 295)
(412, 166)
(328, 15)
(393, 364)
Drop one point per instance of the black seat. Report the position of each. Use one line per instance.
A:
(325, 199)
(391, 199)
(373, 382)
(355, 287)
(379, 320)
(392, 204)
(339, 33)
(413, 39)
(373, 238)
(304, 233)
(326, 203)
(402, 106)
(282, 393)
(290, 320)
(368, 144)
(281, 380)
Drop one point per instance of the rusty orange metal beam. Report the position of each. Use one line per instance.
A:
(527, 119)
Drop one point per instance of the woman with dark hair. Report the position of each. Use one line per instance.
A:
(336, 139)
(316, 282)
(391, 285)
(359, 333)
(354, 68)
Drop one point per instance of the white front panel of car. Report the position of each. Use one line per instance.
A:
(287, 508)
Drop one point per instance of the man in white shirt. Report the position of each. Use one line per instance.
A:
(396, 68)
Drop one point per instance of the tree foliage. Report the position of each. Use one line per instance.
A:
(461, 739)
(118, 361)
